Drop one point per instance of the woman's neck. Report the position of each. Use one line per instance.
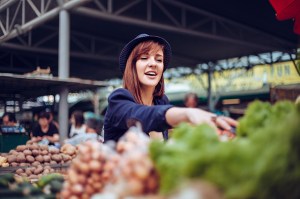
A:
(147, 96)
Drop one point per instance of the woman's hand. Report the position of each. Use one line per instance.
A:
(175, 115)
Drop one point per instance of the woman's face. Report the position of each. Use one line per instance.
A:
(150, 67)
(43, 122)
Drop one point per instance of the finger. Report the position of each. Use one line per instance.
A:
(222, 123)
(230, 121)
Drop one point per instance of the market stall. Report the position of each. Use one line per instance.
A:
(196, 162)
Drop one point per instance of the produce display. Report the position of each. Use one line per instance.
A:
(124, 170)
(47, 187)
(90, 171)
(33, 160)
(263, 161)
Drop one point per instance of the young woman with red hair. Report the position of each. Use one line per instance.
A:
(142, 62)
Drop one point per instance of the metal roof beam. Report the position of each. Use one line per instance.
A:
(225, 20)
(55, 52)
(129, 20)
(7, 4)
(39, 20)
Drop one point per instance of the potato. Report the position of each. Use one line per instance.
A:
(38, 170)
(35, 152)
(44, 152)
(46, 158)
(33, 146)
(44, 147)
(53, 162)
(12, 152)
(27, 152)
(30, 159)
(39, 158)
(23, 174)
(35, 163)
(21, 148)
(29, 142)
(56, 157)
(32, 169)
(53, 150)
(28, 172)
(66, 157)
(24, 164)
(11, 158)
(21, 158)
(14, 164)
(19, 171)
(47, 167)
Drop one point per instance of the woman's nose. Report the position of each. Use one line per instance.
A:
(152, 62)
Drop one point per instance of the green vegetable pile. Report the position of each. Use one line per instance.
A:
(47, 187)
(263, 161)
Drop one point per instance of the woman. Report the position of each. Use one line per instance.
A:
(142, 62)
(45, 129)
(77, 124)
(191, 100)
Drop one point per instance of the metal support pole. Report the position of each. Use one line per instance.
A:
(63, 114)
(96, 103)
(209, 94)
(63, 72)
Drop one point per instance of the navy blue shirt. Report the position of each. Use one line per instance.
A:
(122, 108)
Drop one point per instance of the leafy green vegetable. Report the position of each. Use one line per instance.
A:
(262, 162)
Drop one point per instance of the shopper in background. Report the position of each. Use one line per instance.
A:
(9, 119)
(142, 98)
(51, 117)
(45, 129)
(10, 124)
(93, 126)
(191, 100)
(77, 124)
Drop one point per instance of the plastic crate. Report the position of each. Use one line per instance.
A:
(10, 141)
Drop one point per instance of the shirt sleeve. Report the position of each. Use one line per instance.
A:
(123, 108)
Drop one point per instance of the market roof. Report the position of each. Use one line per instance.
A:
(26, 87)
(199, 31)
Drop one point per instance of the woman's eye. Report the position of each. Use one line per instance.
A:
(143, 58)
(159, 60)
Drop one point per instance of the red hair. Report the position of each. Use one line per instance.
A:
(130, 77)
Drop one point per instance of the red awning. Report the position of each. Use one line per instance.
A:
(288, 9)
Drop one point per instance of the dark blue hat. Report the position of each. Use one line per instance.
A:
(140, 38)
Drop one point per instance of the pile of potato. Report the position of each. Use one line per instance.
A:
(38, 159)
(34, 155)
(89, 171)
(34, 172)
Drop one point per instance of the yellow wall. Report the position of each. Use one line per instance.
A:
(255, 78)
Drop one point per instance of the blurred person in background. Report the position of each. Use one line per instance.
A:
(9, 119)
(51, 117)
(77, 124)
(93, 126)
(10, 124)
(45, 129)
(191, 100)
